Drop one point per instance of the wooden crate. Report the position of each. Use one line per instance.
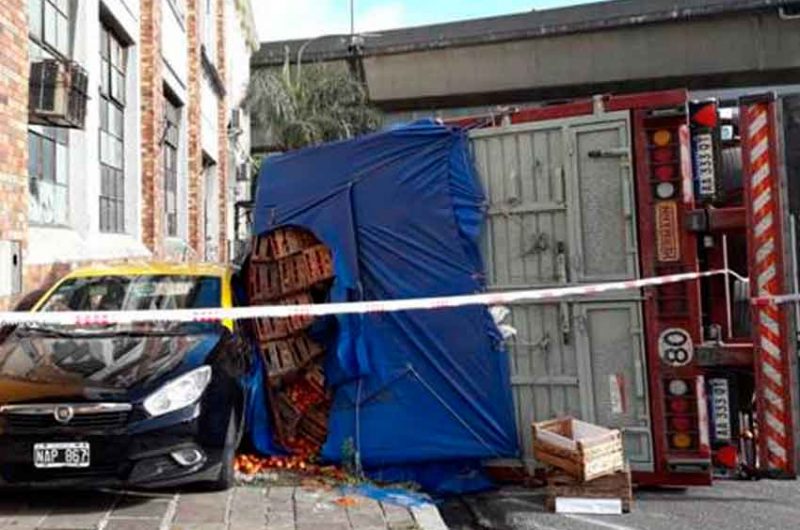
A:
(288, 241)
(581, 449)
(281, 357)
(614, 486)
(294, 275)
(272, 328)
(306, 349)
(319, 264)
(314, 424)
(315, 377)
(262, 251)
(287, 416)
(264, 281)
(298, 322)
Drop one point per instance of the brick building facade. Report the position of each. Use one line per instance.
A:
(149, 175)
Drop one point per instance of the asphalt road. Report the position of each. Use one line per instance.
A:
(728, 505)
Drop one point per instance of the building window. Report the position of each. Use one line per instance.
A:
(48, 26)
(170, 149)
(112, 132)
(48, 168)
(47, 176)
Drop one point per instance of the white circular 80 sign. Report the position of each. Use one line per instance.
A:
(675, 347)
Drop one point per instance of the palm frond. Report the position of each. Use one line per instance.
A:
(312, 105)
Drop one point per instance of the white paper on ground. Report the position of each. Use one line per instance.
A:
(589, 506)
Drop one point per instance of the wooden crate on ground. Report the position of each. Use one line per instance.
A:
(581, 449)
(614, 486)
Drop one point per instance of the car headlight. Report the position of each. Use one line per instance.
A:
(178, 393)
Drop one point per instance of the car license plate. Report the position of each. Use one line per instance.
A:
(66, 454)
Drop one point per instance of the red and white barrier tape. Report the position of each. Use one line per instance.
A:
(99, 318)
(778, 299)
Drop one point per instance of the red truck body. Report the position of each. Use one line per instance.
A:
(710, 189)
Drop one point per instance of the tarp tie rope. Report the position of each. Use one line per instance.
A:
(450, 409)
(357, 456)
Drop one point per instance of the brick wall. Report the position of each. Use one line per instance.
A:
(195, 149)
(13, 123)
(222, 121)
(152, 119)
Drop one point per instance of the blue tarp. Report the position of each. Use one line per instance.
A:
(421, 395)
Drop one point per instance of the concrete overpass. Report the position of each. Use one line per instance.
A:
(621, 46)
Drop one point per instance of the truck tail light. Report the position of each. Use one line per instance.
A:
(683, 425)
(662, 137)
(682, 440)
(678, 387)
(727, 456)
(679, 405)
(662, 155)
(664, 173)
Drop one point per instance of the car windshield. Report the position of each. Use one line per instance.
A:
(136, 292)
(121, 293)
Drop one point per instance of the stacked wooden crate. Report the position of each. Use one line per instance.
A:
(286, 266)
(585, 461)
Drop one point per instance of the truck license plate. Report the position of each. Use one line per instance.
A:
(56, 455)
(721, 409)
(704, 158)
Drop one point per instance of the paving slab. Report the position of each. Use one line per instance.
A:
(248, 509)
(133, 524)
(139, 506)
(398, 517)
(242, 508)
(202, 508)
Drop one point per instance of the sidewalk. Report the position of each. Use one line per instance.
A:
(242, 508)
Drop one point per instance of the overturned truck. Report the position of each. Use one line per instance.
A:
(604, 189)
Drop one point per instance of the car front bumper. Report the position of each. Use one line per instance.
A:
(136, 460)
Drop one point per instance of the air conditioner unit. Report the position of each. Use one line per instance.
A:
(235, 125)
(57, 94)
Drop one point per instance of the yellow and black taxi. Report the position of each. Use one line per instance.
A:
(153, 404)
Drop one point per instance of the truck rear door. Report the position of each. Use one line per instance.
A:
(561, 212)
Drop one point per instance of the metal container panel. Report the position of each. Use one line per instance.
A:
(523, 175)
(614, 382)
(605, 229)
(544, 369)
(560, 213)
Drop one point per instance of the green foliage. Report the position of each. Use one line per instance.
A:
(309, 104)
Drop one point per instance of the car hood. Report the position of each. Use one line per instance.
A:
(45, 368)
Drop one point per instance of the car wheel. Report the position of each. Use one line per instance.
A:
(227, 475)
